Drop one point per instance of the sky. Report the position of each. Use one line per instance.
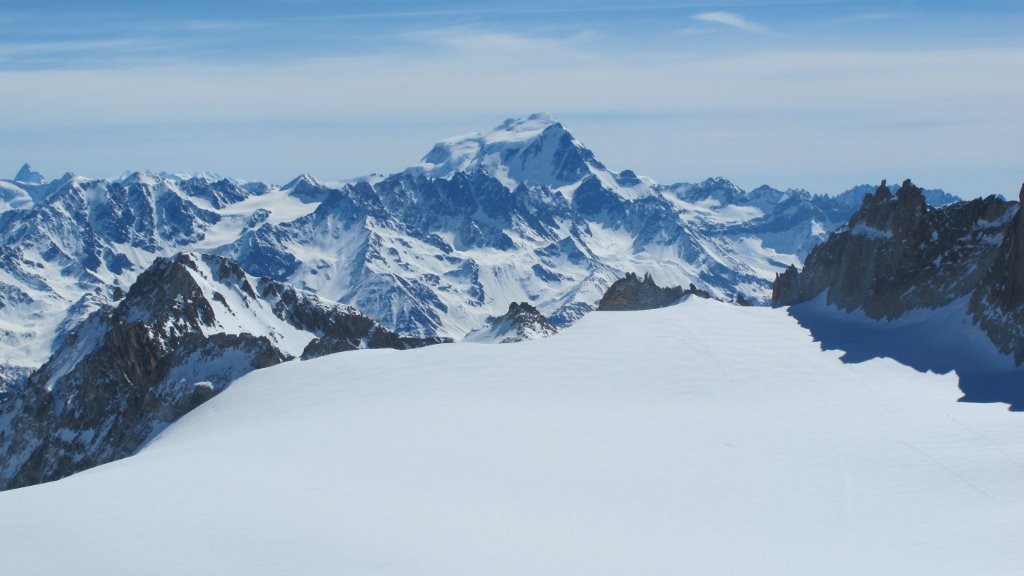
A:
(820, 95)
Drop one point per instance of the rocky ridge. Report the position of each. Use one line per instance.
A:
(897, 254)
(632, 293)
(186, 328)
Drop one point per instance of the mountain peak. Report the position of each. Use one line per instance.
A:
(519, 129)
(521, 322)
(536, 151)
(29, 176)
(303, 179)
(139, 177)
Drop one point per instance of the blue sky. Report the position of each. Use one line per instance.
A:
(814, 94)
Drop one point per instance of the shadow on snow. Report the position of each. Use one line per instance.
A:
(939, 341)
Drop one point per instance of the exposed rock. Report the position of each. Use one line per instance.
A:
(12, 378)
(632, 293)
(898, 254)
(998, 306)
(521, 322)
(182, 333)
(697, 292)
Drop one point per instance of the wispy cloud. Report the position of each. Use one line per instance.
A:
(729, 19)
(468, 39)
(26, 49)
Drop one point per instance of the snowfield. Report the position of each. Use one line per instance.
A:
(699, 439)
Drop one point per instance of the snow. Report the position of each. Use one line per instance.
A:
(236, 313)
(942, 340)
(699, 439)
(521, 129)
(277, 201)
(519, 151)
(862, 229)
(12, 197)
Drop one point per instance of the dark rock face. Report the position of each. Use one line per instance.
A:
(998, 306)
(898, 254)
(339, 328)
(12, 378)
(632, 293)
(128, 371)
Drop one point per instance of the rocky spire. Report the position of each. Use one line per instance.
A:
(28, 176)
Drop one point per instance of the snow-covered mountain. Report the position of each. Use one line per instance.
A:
(703, 438)
(26, 175)
(521, 322)
(76, 242)
(523, 213)
(188, 326)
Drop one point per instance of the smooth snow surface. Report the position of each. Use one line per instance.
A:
(699, 439)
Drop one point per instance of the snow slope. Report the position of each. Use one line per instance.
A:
(698, 439)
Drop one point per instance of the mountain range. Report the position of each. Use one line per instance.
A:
(523, 213)
(125, 303)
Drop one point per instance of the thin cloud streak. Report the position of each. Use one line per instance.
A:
(9, 49)
(729, 19)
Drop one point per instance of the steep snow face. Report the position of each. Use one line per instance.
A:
(534, 151)
(13, 197)
(681, 440)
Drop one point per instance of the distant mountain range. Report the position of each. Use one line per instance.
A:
(523, 213)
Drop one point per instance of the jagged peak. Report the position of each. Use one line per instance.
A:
(909, 193)
(717, 182)
(302, 179)
(27, 175)
(881, 194)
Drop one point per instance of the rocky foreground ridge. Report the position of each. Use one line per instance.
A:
(632, 293)
(521, 322)
(189, 326)
(898, 254)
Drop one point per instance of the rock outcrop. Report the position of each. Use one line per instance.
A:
(998, 307)
(632, 293)
(189, 326)
(897, 254)
(521, 322)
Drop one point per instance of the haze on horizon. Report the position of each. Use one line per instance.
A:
(820, 95)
